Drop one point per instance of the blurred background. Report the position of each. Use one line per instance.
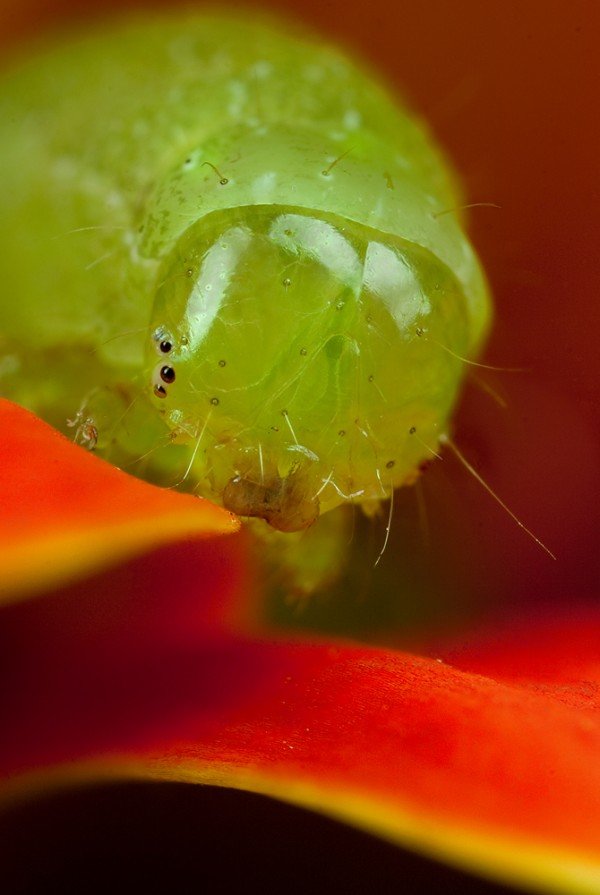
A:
(511, 89)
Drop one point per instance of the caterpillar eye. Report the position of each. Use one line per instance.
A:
(160, 391)
(167, 374)
(163, 340)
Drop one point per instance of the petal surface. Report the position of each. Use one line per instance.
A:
(479, 763)
(64, 512)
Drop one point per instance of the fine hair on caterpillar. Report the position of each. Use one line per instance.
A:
(268, 302)
(466, 207)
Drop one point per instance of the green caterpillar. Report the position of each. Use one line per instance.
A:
(224, 264)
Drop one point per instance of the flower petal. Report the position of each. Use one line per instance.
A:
(125, 677)
(64, 512)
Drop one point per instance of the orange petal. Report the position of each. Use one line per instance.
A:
(486, 768)
(63, 512)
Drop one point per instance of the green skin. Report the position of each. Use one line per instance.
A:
(223, 264)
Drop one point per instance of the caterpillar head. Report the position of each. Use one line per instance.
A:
(299, 354)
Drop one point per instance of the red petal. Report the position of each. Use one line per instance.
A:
(64, 512)
(127, 678)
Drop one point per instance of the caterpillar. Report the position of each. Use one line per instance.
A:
(224, 264)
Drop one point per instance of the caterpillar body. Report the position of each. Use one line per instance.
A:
(224, 264)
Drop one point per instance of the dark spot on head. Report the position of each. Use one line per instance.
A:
(160, 391)
(167, 374)
(223, 181)
(303, 352)
(412, 430)
(165, 346)
(342, 432)
(390, 464)
(222, 363)
(214, 401)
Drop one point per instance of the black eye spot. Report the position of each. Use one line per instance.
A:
(165, 346)
(167, 374)
(412, 430)
(341, 433)
(214, 401)
(390, 464)
(222, 363)
(160, 391)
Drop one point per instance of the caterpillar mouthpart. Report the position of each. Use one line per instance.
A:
(284, 503)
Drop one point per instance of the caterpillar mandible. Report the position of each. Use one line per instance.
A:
(224, 263)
